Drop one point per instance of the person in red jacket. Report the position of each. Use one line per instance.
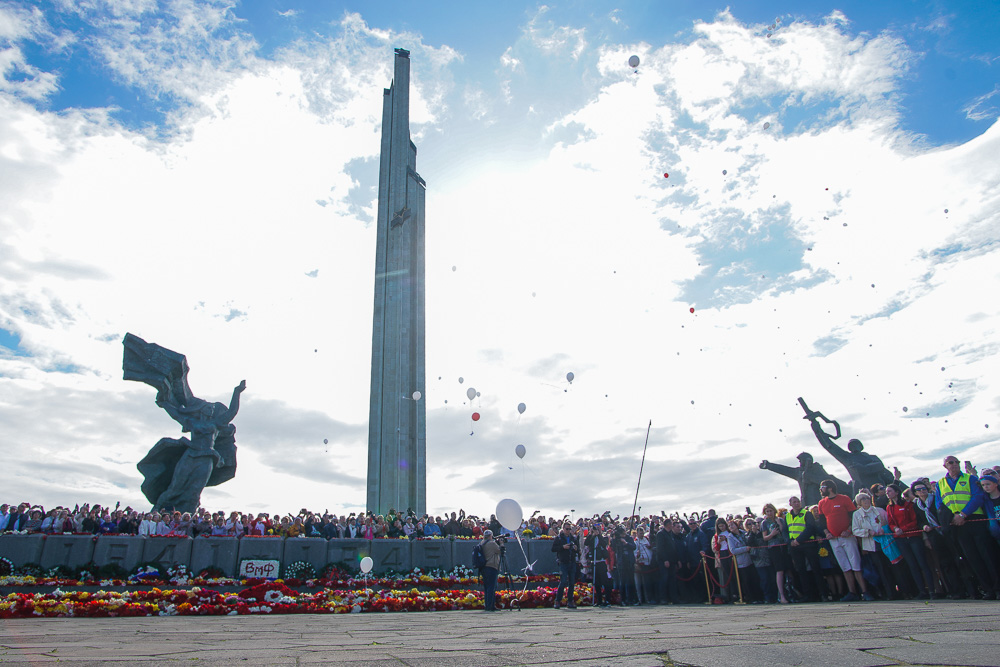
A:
(909, 538)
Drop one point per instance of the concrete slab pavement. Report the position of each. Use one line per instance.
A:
(860, 634)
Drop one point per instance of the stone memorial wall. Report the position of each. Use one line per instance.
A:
(226, 553)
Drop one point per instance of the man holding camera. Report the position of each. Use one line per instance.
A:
(565, 548)
(491, 554)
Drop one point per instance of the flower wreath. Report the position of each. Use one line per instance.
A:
(6, 567)
(31, 570)
(60, 572)
(300, 569)
(146, 572)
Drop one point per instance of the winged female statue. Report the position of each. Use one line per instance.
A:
(176, 471)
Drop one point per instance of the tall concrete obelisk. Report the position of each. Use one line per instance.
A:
(397, 423)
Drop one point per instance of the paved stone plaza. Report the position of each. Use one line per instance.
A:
(852, 635)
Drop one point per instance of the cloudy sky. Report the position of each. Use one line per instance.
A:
(821, 188)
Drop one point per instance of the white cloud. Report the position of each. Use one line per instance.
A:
(981, 108)
(477, 103)
(17, 76)
(181, 48)
(552, 39)
(509, 61)
(732, 65)
(838, 17)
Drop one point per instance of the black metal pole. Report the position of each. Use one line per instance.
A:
(631, 517)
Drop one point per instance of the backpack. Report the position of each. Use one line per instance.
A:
(478, 559)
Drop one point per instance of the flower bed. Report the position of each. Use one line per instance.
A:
(263, 598)
(298, 575)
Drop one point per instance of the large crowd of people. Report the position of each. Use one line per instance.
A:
(928, 539)
(97, 520)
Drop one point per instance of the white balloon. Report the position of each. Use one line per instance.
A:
(521, 407)
(417, 395)
(326, 441)
(461, 380)
(471, 393)
(569, 377)
(633, 61)
(520, 451)
(366, 564)
(509, 514)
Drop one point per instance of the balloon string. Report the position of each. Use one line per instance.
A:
(527, 567)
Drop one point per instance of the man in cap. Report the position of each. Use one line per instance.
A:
(491, 553)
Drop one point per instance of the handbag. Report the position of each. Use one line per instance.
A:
(888, 545)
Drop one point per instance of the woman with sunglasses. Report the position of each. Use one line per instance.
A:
(776, 538)
(940, 556)
(909, 538)
(761, 557)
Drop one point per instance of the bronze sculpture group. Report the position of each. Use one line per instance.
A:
(865, 469)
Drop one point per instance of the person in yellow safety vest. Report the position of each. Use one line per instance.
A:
(962, 496)
(802, 529)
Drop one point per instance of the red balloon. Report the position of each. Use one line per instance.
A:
(665, 175)
(475, 416)
(691, 309)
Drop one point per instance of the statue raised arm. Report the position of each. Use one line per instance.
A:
(787, 471)
(809, 474)
(865, 469)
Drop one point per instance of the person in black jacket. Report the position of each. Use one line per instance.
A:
(802, 550)
(92, 524)
(565, 548)
(697, 544)
(625, 575)
(597, 545)
(18, 518)
(665, 555)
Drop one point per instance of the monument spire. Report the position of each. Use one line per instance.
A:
(397, 421)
